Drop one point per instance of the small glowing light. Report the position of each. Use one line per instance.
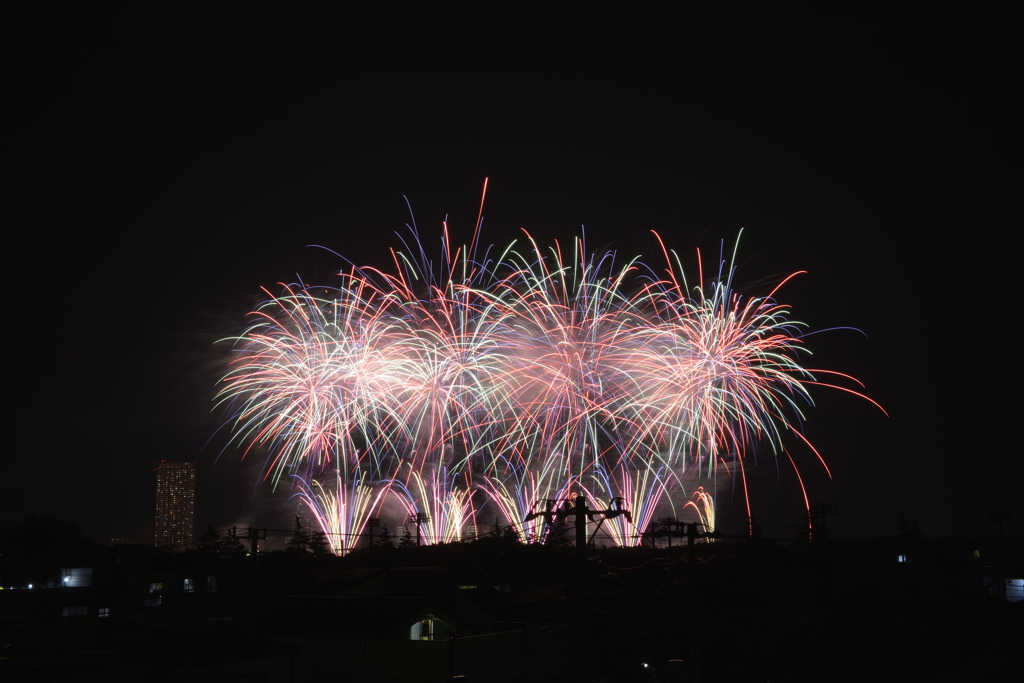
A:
(645, 665)
(30, 585)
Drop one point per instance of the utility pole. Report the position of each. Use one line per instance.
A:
(420, 518)
(670, 526)
(578, 509)
(821, 511)
(254, 536)
(691, 539)
(451, 656)
(582, 622)
(372, 522)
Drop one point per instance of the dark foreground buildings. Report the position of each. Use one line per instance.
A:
(493, 610)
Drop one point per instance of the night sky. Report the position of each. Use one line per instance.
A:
(166, 164)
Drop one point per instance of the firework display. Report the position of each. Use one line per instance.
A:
(490, 381)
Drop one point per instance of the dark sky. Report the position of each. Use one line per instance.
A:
(168, 163)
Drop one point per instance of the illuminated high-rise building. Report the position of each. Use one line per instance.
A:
(174, 525)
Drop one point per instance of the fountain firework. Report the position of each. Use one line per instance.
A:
(506, 378)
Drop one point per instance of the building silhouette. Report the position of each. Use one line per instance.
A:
(174, 525)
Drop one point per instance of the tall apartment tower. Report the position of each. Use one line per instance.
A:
(174, 525)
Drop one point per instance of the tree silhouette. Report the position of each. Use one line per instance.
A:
(386, 539)
(299, 540)
(318, 544)
(509, 534)
(557, 535)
